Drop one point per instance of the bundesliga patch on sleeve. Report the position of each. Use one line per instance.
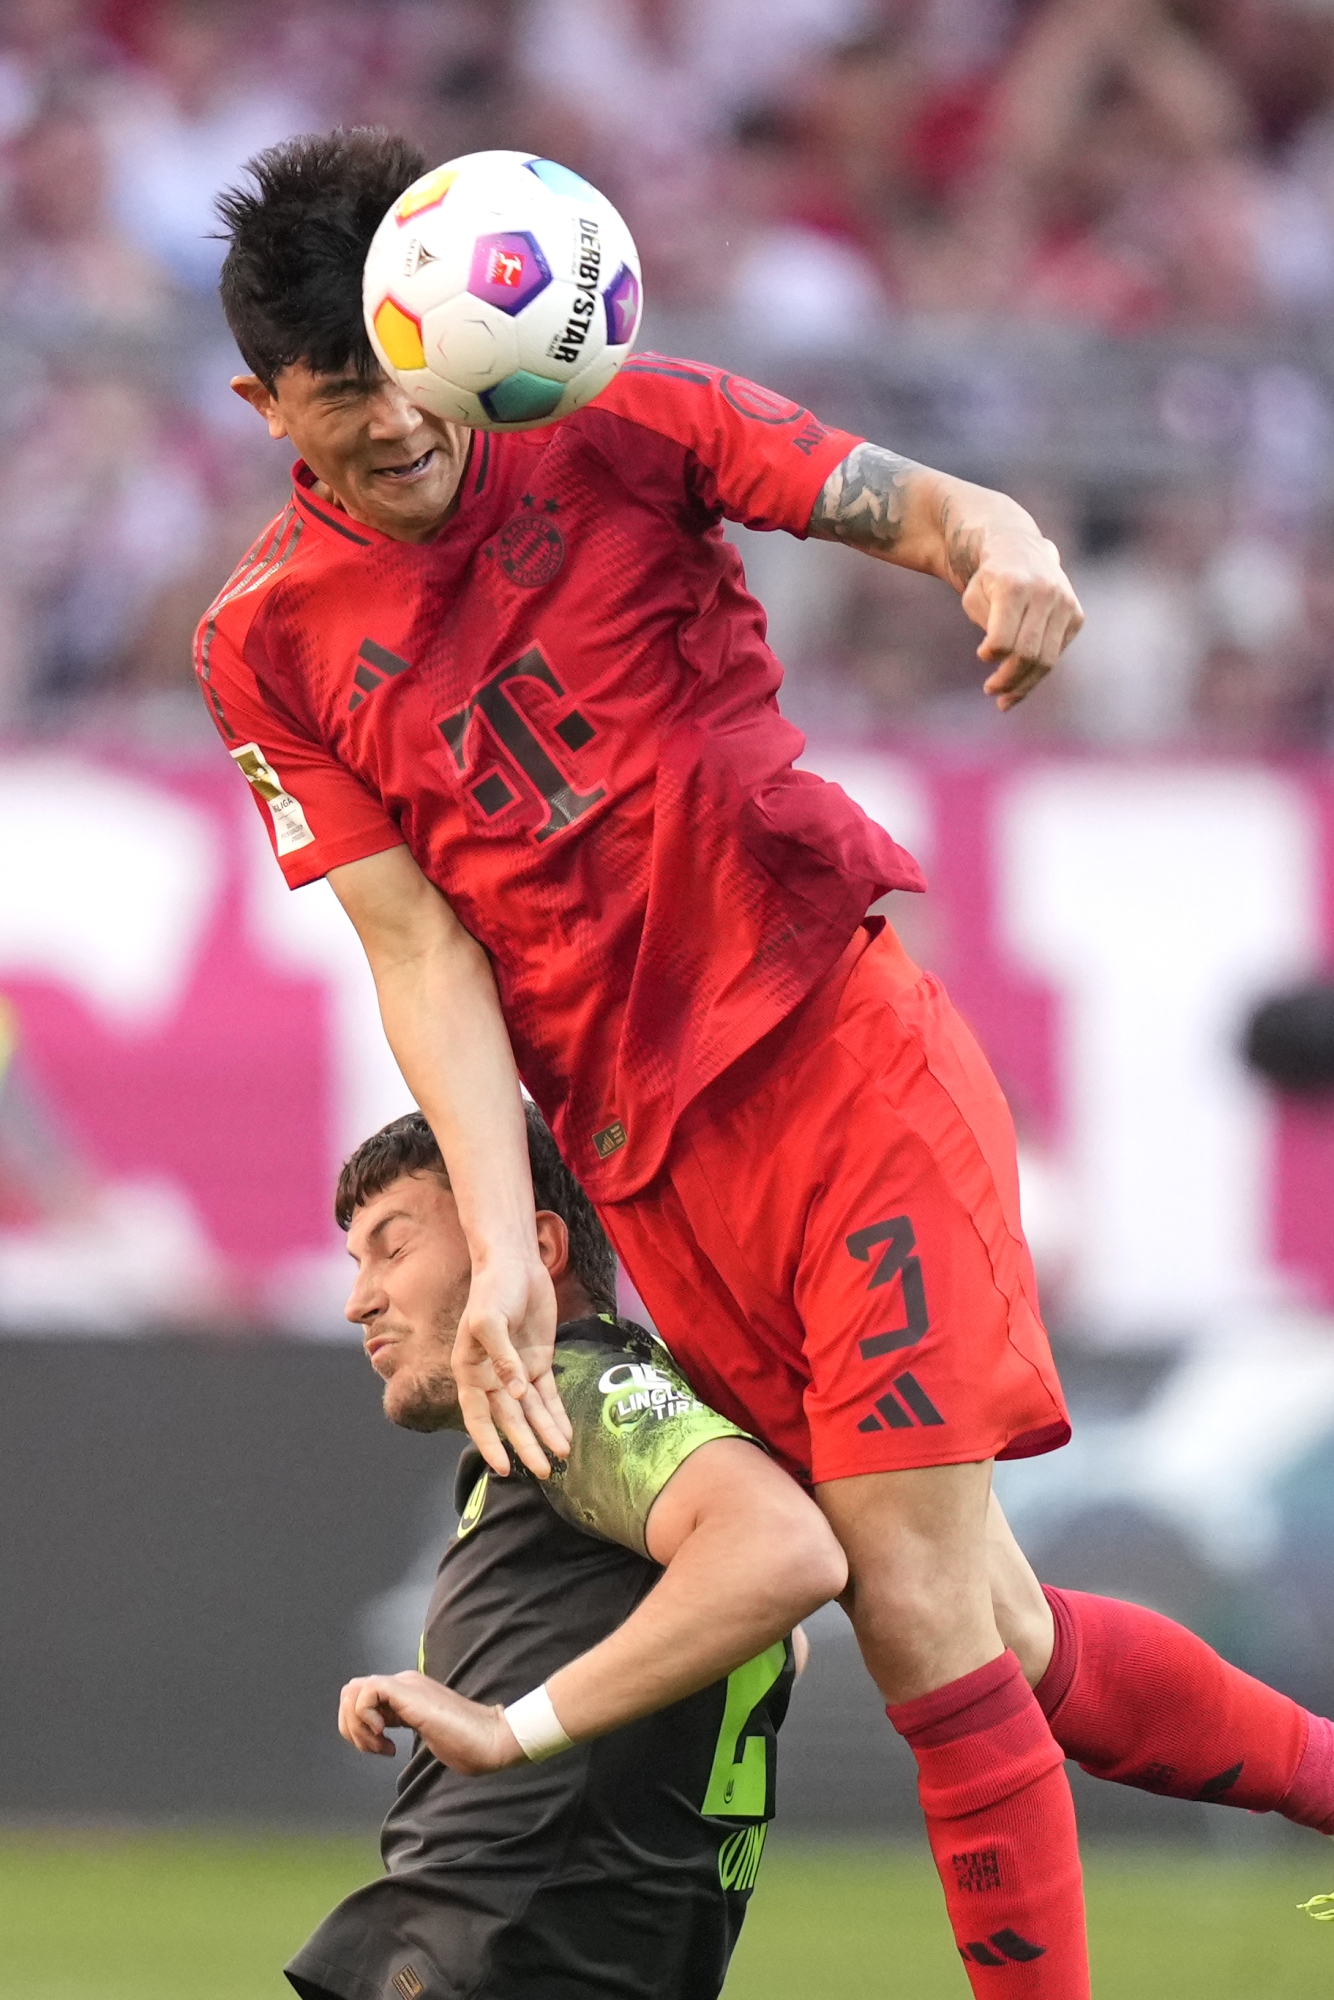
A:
(635, 1419)
(290, 825)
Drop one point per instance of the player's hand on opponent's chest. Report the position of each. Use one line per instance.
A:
(465, 1735)
(502, 1364)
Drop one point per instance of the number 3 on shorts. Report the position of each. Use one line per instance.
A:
(896, 1261)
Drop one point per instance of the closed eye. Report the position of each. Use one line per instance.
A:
(350, 391)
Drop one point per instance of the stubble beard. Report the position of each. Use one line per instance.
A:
(426, 1403)
(426, 1398)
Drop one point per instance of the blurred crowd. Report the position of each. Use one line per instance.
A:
(816, 181)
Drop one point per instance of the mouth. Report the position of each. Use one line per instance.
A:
(405, 475)
(375, 1347)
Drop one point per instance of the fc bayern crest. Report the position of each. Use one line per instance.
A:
(530, 549)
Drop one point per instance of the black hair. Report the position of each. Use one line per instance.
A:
(407, 1146)
(297, 241)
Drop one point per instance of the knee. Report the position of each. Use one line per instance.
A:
(894, 1603)
(914, 1639)
(910, 1585)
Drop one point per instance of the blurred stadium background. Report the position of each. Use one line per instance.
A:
(1083, 249)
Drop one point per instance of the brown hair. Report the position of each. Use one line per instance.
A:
(407, 1146)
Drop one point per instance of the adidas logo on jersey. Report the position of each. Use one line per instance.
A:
(375, 665)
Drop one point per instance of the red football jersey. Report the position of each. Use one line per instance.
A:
(565, 707)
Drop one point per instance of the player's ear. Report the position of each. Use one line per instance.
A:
(261, 398)
(553, 1242)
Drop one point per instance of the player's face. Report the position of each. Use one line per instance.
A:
(380, 457)
(411, 1287)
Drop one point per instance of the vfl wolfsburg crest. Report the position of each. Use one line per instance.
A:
(472, 1513)
(739, 1857)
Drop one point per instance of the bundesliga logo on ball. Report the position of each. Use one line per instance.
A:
(502, 291)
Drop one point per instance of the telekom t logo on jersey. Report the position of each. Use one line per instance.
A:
(505, 722)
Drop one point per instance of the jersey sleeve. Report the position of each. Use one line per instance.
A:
(753, 456)
(317, 814)
(634, 1420)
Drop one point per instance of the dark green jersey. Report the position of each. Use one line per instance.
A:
(621, 1868)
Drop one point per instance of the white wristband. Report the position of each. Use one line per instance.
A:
(536, 1726)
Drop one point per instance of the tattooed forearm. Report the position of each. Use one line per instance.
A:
(963, 545)
(864, 499)
(906, 514)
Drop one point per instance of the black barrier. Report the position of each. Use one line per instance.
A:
(200, 1540)
(189, 1533)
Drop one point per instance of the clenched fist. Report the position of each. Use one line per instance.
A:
(1023, 600)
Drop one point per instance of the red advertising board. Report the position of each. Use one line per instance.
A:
(189, 1051)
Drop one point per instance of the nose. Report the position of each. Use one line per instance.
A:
(393, 414)
(366, 1301)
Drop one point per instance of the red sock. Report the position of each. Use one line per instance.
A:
(1135, 1698)
(1002, 1828)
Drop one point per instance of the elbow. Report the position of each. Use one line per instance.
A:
(823, 1575)
(436, 951)
(808, 1569)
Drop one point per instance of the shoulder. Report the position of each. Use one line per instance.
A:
(684, 399)
(648, 427)
(659, 393)
(266, 564)
(743, 450)
(635, 1420)
(600, 1358)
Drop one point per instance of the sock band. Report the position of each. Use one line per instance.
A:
(978, 1741)
(982, 1699)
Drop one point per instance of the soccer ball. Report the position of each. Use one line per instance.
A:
(502, 291)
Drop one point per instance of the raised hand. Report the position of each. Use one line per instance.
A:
(502, 1364)
(1021, 597)
(1008, 575)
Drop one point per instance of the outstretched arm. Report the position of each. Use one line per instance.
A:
(983, 543)
(443, 1022)
(747, 1556)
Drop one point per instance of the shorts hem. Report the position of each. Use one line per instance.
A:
(1024, 1444)
(1032, 1444)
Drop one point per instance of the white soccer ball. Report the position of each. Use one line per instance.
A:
(502, 291)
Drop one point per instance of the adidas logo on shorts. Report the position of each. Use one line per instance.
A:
(920, 1408)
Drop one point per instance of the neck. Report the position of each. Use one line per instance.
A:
(572, 1302)
(396, 529)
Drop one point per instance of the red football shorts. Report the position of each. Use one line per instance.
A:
(832, 1248)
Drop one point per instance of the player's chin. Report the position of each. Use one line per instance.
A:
(420, 1403)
